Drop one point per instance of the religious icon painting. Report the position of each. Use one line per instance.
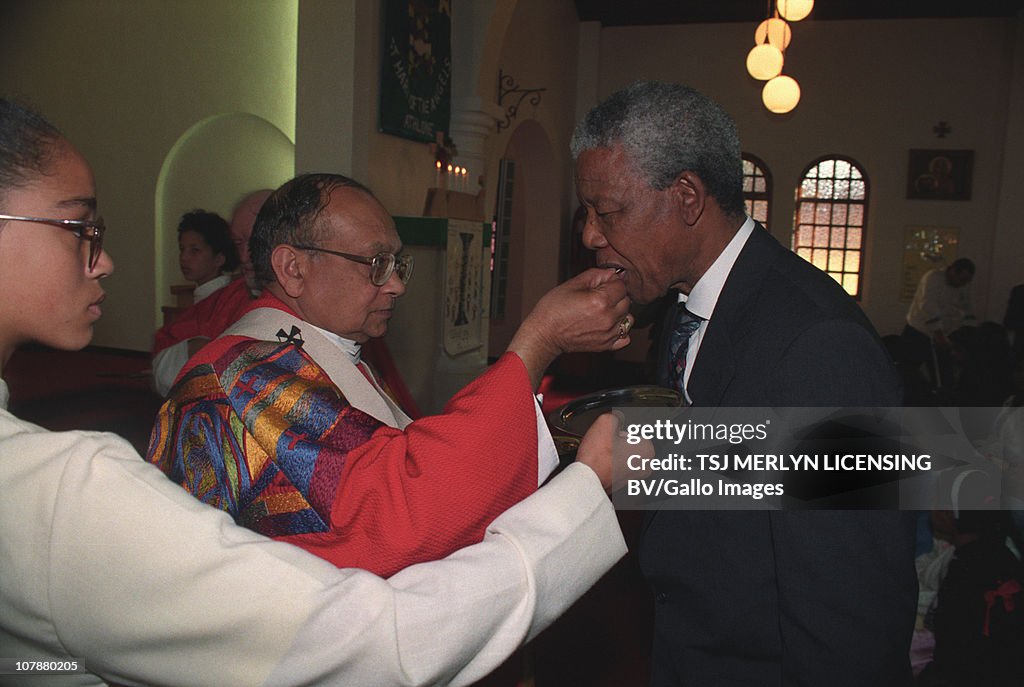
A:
(939, 174)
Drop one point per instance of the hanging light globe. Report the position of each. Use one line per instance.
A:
(781, 94)
(764, 62)
(775, 32)
(794, 10)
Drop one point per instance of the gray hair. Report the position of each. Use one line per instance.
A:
(667, 129)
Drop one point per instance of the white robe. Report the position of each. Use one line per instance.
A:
(104, 560)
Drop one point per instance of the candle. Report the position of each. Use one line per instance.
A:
(437, 173)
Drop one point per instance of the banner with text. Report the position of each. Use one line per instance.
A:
(416, 69)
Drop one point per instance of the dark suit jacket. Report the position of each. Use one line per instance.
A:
(816, 598)
(1014, 319)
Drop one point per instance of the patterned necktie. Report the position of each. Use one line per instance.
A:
(686, 324)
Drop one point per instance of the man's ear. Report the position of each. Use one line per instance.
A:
(691, 195)
(289, 266)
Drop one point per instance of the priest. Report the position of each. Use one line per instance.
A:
(281, 423)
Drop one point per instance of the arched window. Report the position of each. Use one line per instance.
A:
(831, 208)
(757, 188)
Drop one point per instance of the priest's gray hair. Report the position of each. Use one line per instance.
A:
(667, 129)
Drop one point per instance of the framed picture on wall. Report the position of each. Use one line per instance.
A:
(939, 174)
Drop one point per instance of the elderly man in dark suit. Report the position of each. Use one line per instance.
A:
(763, 598)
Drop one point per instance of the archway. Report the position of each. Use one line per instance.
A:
(212, 165)
(534, 230)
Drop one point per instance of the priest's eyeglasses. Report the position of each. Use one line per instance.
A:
(91, 230)
(382, 265)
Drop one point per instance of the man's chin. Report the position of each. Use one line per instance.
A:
(376, 332)
(643, 298)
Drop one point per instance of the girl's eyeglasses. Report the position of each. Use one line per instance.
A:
(90, 230)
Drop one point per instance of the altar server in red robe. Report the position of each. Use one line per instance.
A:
(205, 320)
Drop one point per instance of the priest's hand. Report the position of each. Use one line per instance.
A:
(588, 313)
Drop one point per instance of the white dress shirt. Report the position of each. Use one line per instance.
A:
(939, 307)
(703, 297)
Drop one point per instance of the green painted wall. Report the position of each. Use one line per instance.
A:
(125, 79)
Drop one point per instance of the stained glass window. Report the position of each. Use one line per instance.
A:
(757, 188)
(828, 227)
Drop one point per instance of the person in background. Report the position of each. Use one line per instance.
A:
(766, 598)
(206, 253)
(178, 340)
(977, 615)
(118, 575)
(242, 220)
(281, 423)
(941, 306)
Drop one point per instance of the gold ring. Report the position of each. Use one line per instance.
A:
(624, 326)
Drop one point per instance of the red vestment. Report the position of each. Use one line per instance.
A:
(207, 318)
(258, 429)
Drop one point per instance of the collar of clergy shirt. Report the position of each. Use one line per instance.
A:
(353, 349)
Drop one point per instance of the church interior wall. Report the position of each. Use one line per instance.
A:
(124, 80)
(145, 71)
(539, 51)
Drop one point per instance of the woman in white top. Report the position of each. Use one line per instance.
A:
(111, 572)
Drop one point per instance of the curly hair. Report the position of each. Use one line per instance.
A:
(215, 232)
